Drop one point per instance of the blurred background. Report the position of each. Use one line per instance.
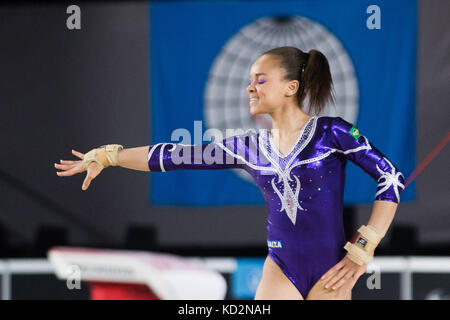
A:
(135, 71)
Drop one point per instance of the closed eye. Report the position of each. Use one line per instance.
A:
(259, 82)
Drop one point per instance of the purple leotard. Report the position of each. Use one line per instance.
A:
(304, 189)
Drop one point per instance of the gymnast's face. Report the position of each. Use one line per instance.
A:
(267, 88)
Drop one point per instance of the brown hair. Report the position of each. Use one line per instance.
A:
(313, 73)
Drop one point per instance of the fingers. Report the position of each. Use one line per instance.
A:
(93, 171)
(70, 167)
(343, 280)
(64, 166)
(353, 280)
(78, 154)
(359, 272)
(68, 161)
(352, 283)
(348, 277)
(335, 279)
(70, 172)
(87, 181)
(337, 267)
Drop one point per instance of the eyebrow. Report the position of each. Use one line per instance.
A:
(261, 73)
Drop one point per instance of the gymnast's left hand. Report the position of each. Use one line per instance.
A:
(345, 271)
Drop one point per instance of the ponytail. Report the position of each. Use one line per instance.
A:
(317, 83)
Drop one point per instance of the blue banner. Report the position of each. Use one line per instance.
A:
(200, 55)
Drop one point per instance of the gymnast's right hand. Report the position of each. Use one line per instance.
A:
(71, 167)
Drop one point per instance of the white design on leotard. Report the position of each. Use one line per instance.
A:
(163, 145)
(390, 179)
(289, 197)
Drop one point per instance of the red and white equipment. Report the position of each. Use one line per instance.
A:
(120, 274)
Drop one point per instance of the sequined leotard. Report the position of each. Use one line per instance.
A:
(304, 189)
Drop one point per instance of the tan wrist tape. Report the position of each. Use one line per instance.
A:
(361, 246)
(356, 254)
(111, 152)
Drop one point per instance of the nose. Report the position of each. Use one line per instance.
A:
(250, 88)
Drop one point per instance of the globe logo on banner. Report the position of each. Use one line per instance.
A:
(226, 98)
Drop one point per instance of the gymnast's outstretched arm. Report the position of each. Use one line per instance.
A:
(227, 153)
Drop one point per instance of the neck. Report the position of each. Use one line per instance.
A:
(288, 120)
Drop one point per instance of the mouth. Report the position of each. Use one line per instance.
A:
(253, 101)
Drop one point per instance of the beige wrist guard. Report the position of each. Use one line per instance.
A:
(105, 156)
(361, 247)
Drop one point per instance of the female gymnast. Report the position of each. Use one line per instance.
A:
(299, 165)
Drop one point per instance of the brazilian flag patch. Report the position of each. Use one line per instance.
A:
(355, 132)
